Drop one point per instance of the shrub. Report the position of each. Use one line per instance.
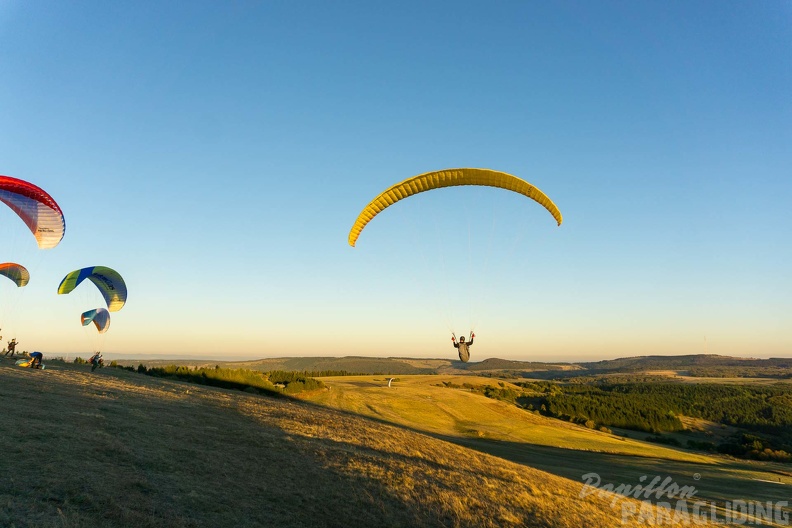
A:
(702, 446)
(252, 381)
(658, 439)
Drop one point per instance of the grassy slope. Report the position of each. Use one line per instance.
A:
(557, 447)
(119, 449)
(419, 403)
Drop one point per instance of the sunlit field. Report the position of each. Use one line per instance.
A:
(116, 448)
(558, 447)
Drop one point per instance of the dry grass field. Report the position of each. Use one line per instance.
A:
(557, 447)
(115, 448)
(420, 403)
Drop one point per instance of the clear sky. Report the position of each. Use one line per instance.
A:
(217, 153)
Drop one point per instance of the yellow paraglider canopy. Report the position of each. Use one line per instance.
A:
(449, 178)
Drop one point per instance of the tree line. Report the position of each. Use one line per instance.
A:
(275, 382)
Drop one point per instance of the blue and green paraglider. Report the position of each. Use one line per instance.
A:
(109, 282)
(100, 317)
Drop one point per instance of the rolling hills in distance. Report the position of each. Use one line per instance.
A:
(493, 366)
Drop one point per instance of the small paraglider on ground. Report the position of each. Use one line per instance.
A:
(33, 361)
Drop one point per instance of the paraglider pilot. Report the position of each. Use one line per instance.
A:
(96, 361)
(12, 347)
(462, 346)
(35, 359)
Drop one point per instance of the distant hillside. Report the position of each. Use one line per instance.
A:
(644, 363)
(699, 364)
(495, 364)
(702, 365)
(349, 364)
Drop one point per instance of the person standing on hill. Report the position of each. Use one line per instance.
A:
(96, 361)
(462, 347)
(11, 347)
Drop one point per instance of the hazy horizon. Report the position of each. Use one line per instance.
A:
(241, 357)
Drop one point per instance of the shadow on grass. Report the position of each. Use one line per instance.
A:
(725, 481)
(79, 450)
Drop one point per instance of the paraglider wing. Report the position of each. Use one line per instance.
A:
(36, 208)
(99, 317)
(16, 272)
(449, 178)
(109, 282)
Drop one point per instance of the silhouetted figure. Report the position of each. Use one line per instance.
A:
(96, 361)
(11, 347)
(462, 347)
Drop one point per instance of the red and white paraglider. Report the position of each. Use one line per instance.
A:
(44, 219)
(41, 214)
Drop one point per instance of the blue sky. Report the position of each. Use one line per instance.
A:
(217, 153)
